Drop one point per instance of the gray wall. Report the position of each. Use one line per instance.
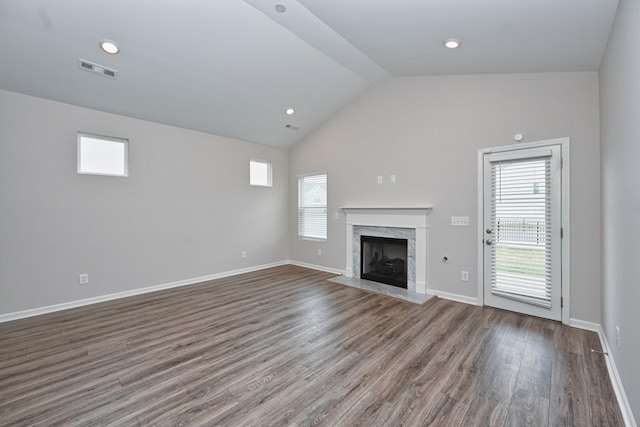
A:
(620, 139)
(427, 131)
(186, 210)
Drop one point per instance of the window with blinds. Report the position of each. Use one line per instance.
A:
(521, 230)
(312, 206)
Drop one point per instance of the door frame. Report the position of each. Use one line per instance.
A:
(564, 217)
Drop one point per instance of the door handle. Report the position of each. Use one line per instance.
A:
(489, 242)
(489, 231)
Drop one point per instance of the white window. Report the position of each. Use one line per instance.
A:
(312, 206)
(102, 155)
(260, 173)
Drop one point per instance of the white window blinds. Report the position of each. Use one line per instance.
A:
(312, 206)
(521, 229)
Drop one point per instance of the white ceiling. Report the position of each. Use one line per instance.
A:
(232, 68)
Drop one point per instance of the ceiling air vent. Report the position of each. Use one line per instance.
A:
(97, 69)
(291, 126)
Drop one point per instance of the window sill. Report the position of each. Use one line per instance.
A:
(312, 239)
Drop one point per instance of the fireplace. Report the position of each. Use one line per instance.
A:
(384, 260)
(409, 224)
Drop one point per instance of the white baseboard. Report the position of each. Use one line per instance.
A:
(317, 267)
(453, 297)
(583, 324)
(616, 381)
(103, 298)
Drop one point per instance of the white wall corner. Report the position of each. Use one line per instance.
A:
(616, 381)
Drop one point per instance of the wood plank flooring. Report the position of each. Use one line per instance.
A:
(286, 347)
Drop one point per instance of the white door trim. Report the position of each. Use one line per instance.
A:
(564, 216)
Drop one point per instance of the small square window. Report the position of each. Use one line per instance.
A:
(260, 173)
(102, 155)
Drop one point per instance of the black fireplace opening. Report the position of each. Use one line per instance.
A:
(384, 260)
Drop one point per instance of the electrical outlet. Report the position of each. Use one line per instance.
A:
(392, 178)
(337, 215)
(618, 335)
(464, 276)
(460, 221)
(84, 278)
(243, 254)
(319, 252)
(380, 179)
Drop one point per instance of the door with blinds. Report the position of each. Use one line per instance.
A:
(522, 231)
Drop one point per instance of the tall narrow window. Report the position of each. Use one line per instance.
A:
(101, 155)
(312, 206)
(260, 173)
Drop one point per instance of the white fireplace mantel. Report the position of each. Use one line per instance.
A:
(411, 216)
(415, 218)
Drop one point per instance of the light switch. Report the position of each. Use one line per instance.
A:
(460, 221)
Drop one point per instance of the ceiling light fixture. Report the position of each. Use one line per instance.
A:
(452, 43)
(109, 46)
(290, 111)
(280, 8)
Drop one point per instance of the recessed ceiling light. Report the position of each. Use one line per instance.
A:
(290, 111)
(452, 43)
(280, 8)
(109, 46)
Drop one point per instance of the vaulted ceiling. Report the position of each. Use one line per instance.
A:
(233, 67)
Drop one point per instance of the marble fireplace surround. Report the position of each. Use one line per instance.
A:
(401, 223)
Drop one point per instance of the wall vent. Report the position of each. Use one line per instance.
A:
(97, 69)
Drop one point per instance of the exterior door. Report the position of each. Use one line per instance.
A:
(522, 231)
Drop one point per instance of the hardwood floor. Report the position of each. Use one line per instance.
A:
(286, 347)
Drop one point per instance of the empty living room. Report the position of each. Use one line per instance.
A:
(319, 212)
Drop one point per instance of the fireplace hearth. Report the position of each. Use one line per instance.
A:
(384, 260)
